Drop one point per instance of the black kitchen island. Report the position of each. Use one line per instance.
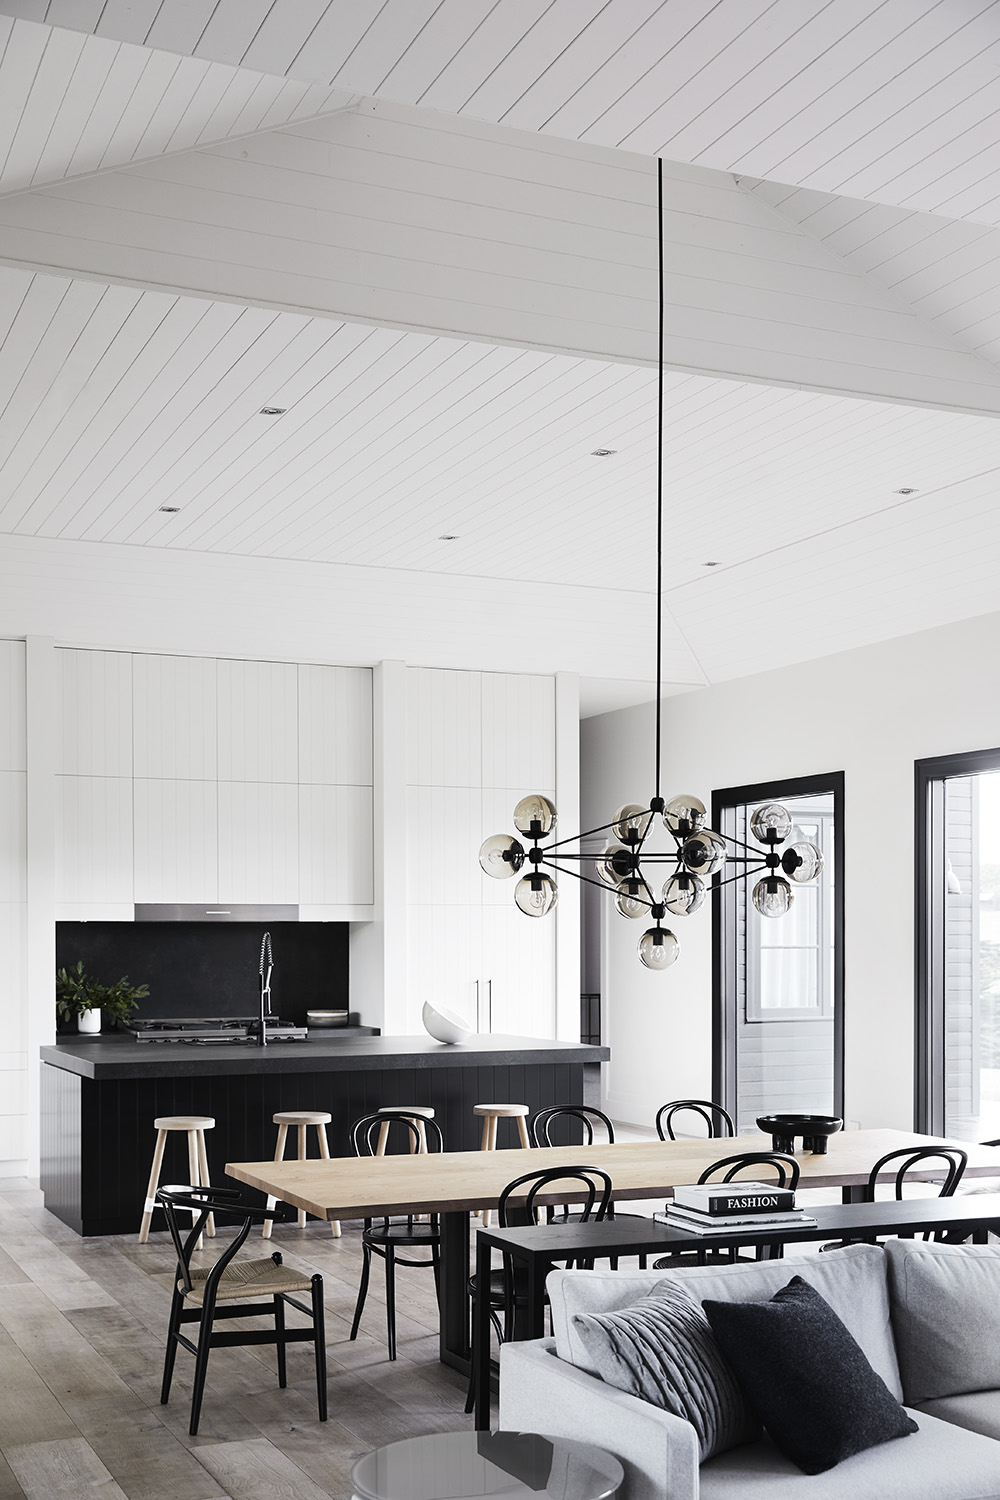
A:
(100, 1095)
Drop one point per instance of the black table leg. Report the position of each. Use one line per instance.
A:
(454, 1344)
(481, 1342)
(855, 1194)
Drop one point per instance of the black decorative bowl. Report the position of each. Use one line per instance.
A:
(815, 1131)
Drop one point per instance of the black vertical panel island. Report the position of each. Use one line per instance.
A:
(100, 1095)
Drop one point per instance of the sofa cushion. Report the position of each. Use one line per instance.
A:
(661, 1349)
(979, 1411)
(852, 1280)
(939, 1462)
(806, 1377)
(945, 1302)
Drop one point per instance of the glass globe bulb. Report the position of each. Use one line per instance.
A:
(501, 856)
(704, 853)
(771, 824)
(772, 896)
(536, 895)
(683, 893)
(802, 862)
(631, 823)
(685, 815)
(631, 906)
(535, 816)
(658, 948)
(612, 865)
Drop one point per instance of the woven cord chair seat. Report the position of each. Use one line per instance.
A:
(249, 1278)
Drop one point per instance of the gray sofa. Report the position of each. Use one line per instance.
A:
(927, 1316)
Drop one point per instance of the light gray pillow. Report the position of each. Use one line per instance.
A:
(946, 1317)
(662, 1350)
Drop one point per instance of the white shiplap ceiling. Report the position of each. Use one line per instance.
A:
(891, 100)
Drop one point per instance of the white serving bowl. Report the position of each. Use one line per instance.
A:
(444, 1025)
(326, 1018)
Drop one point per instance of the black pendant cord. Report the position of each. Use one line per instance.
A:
(659, 470)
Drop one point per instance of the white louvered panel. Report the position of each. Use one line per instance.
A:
(95, 697)
(444, 961)
(175, 716)
(12, 706)
(94, 843)
(336, 845)
(258, 842)
(443, 836)
(519, 961)
(13, 996)
(257, 721)
(176, 841)
(13, 837)
(335, 725)
(519, 731)
(444, 728)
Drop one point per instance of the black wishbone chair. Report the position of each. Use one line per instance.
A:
(718, 1120)
(203, 1295)
(507, 1290)
(385, 1236)
(786, 1170)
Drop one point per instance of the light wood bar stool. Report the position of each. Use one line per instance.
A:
(194, 1127)
(303, 1118)
(491, 1113)
(418, 1113)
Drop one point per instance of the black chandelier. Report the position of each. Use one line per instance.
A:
(625, 866)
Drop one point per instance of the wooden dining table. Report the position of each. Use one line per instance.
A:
(455, 1184)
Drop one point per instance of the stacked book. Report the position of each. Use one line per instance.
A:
(714, 1208)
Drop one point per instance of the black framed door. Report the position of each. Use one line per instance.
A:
(819, 799)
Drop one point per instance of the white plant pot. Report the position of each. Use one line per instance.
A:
(89, 1021)
(444, 1025)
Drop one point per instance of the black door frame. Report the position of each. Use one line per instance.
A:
(930, 867)
(724, 955)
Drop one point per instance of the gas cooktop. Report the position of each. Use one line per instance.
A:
(214, 1030)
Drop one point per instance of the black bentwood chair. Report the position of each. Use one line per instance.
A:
(718, 1120)
(540, 1131)
(385, 1237)
(507, 1290)
(203, 1295)
(786, 1170)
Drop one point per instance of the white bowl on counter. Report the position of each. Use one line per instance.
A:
(326, 1020)
(444, 1025)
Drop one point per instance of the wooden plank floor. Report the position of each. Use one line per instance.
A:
(81, 1350)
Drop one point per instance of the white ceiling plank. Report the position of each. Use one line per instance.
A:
(27, 10)
(231, 29)
(392, 32)
(461, 75)
(151, 86)
(51, 81)
(22, 57)
(129, 20)
(282, 35)
(240, 95)
(82, 14)
(90, 76)
(107, 108)
(530, 55)
(179, 25)
(444, 34)
(173, 107)
(332, 39)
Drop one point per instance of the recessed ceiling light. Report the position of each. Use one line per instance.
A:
(603, 452)
(710, 565)
(273, 411)
(906, 492)
(448, 537)
(169, 510)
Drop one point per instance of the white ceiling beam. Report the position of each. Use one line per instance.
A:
(425, 222)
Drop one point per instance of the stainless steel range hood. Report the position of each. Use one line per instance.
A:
(219, 911)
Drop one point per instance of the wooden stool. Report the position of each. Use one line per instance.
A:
(194, 1127)
(303, 1118)
(418, 1113)
(491, 1113)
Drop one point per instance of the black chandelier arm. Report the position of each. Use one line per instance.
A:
(579, 838)
(740, 875)
(586, 879)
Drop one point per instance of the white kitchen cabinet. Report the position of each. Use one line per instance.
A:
(335, 726)
(444, 728)
(518, 731)
(95, 698)
(335, 846)
(519, 965)
(176, 833)
(257, 721)
(13, 1016)
(175, 717)
(444, 962)
(12, 706)
(258, 842)
(13, 836)
(93, 842)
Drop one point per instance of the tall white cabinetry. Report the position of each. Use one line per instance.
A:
(477, 742)
(13, 904)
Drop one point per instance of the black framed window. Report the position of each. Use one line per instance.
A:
(778, 985)
(957, 945)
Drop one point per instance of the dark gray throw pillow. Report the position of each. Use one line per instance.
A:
(806, 1377)
(661, 1349)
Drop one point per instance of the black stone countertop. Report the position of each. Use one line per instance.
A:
(120, 1056)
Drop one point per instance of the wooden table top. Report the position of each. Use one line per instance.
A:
(350, 1187)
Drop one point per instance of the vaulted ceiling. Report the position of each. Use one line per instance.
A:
(425, 232)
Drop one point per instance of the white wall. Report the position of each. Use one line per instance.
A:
(871, 713)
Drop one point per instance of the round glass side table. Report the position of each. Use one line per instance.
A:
(470, 1465)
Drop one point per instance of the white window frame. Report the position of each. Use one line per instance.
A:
(823, 1010)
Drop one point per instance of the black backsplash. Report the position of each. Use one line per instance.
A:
(211, 968)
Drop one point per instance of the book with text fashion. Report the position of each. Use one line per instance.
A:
(678, 1218)
(731, 1198)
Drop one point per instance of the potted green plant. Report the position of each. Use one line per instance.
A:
(80, 996)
